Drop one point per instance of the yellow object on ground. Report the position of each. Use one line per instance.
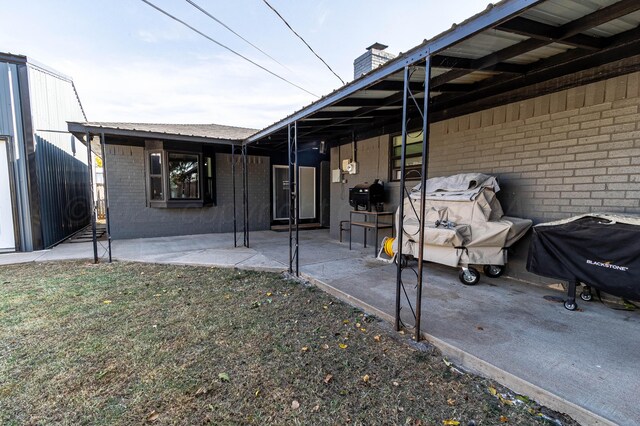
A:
(388, 246)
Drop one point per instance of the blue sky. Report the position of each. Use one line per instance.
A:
(131, 63)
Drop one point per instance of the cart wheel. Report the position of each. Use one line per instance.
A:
(404, 261)
(587, 297)
(469, 276)
(570, 306)
(493, 271)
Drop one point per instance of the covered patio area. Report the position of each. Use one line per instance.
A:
(581, 363)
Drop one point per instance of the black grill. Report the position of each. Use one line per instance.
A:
(366, 196)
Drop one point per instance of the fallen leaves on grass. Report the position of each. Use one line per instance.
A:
(503, 419)
(450, 422)
(180, 366)
(153, 416)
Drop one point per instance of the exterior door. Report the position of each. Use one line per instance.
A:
(7, 233)
(281, 192)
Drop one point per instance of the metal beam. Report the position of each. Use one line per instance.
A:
(599, 17)
(451, 62)
(562, 32)
(364, 111)
(497, 91)
(538, 30)
(359, 102)
(397, 86)
(339, 115)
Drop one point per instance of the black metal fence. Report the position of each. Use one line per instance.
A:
(63, 183)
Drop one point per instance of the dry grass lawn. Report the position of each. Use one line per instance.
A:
(130, 343)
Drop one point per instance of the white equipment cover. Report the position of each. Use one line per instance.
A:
(464, 222)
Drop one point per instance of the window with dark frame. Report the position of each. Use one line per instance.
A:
(184, 176)
(413, 156)
(156, 184)
(180, 178)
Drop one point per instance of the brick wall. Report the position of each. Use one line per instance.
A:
(567, 153)
(373, 163)
(131, 218)
(559, 155)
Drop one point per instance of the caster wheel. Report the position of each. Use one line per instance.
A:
(469, 276)
(404, 261)
(570, 306)
(493, 271)
(587, 297)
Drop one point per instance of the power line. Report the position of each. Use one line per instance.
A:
(192, 3)
(303, 40)
(227, 48)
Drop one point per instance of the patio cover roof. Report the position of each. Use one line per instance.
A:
(203, 133)
(514, 50)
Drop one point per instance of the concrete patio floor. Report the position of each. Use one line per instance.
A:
(582, 363)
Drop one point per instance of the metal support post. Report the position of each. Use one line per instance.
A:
(423, 179)
(92, 199)
(245, 192)
(401, 203)
(103, 143)
(233, 185)
(295, 143)
(294, 196)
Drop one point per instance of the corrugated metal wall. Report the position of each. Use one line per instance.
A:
(11, 126)
(63, 180)
(64, 192)
(53, 103)
(48, 164)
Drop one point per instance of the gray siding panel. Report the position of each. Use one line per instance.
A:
(131, 218)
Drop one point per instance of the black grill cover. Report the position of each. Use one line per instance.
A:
(602, 251)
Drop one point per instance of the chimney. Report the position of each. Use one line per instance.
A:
(371, 59)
